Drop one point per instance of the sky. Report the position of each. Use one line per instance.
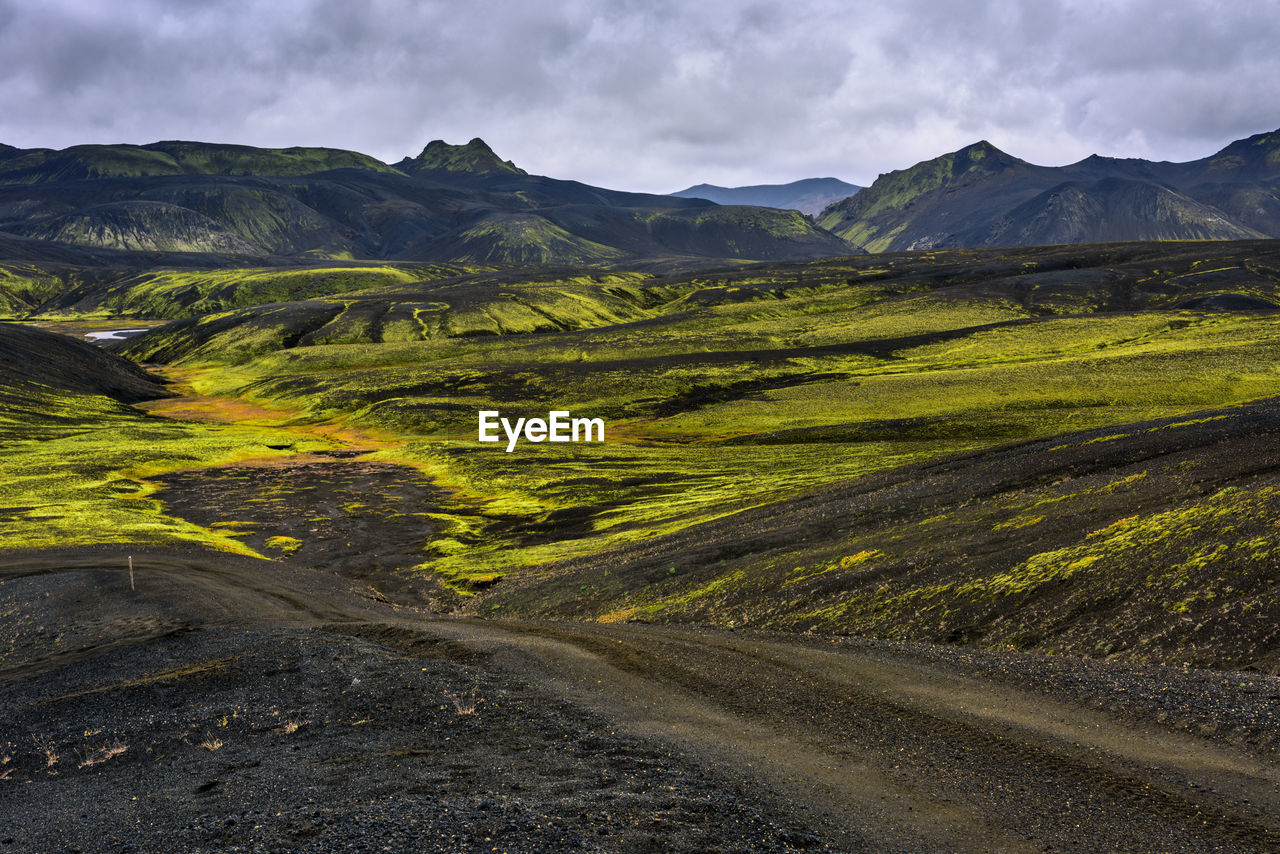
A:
(650, 95)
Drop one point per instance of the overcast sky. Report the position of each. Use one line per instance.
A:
(650, 95)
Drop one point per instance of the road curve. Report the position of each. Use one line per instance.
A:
(880, 751)
(875, 747)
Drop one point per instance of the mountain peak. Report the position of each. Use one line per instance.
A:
(981, 152)
(1099, 161)
(476, 156)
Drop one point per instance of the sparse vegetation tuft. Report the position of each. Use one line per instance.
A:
(90, 756)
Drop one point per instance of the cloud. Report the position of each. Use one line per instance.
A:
(649, 94)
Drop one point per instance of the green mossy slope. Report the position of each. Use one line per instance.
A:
(190, 293)
(1056, 448)
(153, 226)
(77, 455)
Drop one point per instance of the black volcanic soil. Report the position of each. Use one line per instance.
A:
(381, 756)
(352, 517)
(308, 730)
(262, 706)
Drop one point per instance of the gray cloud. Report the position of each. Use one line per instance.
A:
(650, 94)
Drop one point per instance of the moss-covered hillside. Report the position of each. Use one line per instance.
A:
(1064, 448)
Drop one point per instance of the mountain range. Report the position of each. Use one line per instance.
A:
(464, 204)
(981, 196)
(450, 203)
(809, 195)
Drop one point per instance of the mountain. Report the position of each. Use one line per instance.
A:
(450, 203)
(810, 195)
(476, 156)
(1110, 210)
(981, 196)
(39, 165)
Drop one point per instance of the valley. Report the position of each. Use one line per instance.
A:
(997, 457)
(699, 428)
(957, 549)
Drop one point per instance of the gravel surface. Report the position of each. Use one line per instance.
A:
(1240, 708)
(231, 704)
(282, 740)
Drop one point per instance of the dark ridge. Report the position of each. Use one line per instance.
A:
(31, 356)
(980, 196)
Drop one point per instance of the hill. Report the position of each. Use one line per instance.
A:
(1054, 448)
(30, 356)
(51, 385)
(809, 195)
(981, 196)
(450, 203)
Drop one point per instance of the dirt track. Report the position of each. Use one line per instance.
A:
(795, 740)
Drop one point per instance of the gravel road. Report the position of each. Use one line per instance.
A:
(263, 707)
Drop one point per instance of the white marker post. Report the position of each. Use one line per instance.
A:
(131, 587)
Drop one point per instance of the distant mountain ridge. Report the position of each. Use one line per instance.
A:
(458, 203)
(464, 204)
(981, 196)
(808, 195)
